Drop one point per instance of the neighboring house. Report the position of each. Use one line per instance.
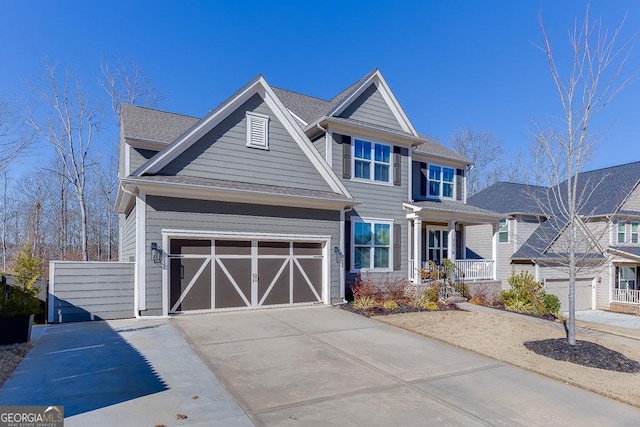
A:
(532, 239)
(276, 198)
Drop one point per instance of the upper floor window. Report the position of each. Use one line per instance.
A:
(371, 161)
(628, 232)
(503, 231)
(371, 245)
(441, 180)
(257, 131)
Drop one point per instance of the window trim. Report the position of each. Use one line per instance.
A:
(620, 224)
(259, 118)
(508, 225)
(372, 161)
(633, 234)
(441, 181)
(352, 248)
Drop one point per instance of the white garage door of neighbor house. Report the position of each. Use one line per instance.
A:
(211, 274)
(560, 288)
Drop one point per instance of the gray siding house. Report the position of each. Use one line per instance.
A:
(533, 238)
(275, 198)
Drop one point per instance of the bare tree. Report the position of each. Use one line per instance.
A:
(69, 125)
(14, 137)
(566, 142)
(485, 150)
(127, 83)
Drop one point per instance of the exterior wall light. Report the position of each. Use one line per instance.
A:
(156, 252)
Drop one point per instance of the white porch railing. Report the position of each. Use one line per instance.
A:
(625, 295)
(475, 269)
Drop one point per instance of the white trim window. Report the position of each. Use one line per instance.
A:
(634, 233)
(503, 231)
(621, 235)
(371, 161)
(626, 278)
(441, 181)
(257, 131)
(371, 244)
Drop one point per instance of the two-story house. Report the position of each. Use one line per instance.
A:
(276, 198)
(532, 237)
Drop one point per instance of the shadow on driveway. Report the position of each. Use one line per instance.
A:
(83, 367)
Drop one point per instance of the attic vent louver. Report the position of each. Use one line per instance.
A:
(257, 131)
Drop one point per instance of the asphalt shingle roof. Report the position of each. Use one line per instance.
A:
(429, 146)
(510, 198)
(153, 125)
(455, 206)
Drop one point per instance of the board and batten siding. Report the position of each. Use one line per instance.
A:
(378, 201)
(128, 236)
(222, 154)
(187, 214)
(371, 107)
(81, 290)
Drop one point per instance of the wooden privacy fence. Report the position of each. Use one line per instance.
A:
(85, 290)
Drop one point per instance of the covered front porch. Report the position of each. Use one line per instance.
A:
(437, 232)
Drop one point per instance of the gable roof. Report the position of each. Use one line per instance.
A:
(510, 198)
(146, 124)
(607, 188)
(374, 77)
(258, 85)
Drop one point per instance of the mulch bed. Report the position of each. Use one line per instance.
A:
(584, 353)
(10, 357)
(403, 308)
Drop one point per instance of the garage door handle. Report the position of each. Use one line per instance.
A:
(254, 277)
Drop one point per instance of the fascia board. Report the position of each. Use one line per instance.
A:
(426, 156)
(364, 130)
(173, 150)
(191, 191)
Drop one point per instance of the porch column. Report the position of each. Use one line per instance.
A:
(451, 241)
(417, 249)
(494, 249)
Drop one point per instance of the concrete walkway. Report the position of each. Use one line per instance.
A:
(326, 366)
(120, 373)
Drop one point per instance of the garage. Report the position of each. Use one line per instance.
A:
(584, 292)
(219, 274)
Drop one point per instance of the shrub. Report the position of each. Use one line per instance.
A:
(395, 289)
(528, 296)
(390, 305)
(22, 299)
(366, 287)
(552, 304)
(365, 302)
(431, 293)
(432, 306)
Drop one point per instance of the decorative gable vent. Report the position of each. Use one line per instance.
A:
(257, 131)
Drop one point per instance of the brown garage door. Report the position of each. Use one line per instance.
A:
(560, 288)
(222, 274)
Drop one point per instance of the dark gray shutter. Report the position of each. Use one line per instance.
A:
(397, 166)
(423, 179)
(397, 249)
(346, 156)
(459, 184)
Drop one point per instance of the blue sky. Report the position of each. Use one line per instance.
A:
(451, 64)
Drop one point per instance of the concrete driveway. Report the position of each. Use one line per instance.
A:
(326, 366)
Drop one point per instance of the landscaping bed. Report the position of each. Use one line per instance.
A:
(602, 363)
(10, 357)
(403, 307)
